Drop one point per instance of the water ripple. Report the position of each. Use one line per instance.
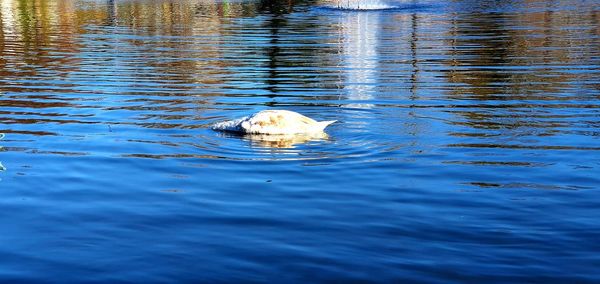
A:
(465, 149)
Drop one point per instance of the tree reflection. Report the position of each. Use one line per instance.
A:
(31, 32)
(502, 53)
(517, 57)
(111, 13)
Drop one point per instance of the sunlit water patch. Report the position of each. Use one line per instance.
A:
(378, 5)
(360, 5)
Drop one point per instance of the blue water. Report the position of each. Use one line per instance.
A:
(466, 148)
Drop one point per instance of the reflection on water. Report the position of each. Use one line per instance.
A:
(375, 5)
(283, 141)
(2, 168)
(359, 33)
(359, 4)
(536, 97)
(468, 130)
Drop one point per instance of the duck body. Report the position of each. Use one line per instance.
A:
(277, 122)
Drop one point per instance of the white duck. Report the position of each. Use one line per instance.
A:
(276, 122)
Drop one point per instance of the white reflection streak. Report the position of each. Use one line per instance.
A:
(359, 4)
(7, 18)
(360, 33)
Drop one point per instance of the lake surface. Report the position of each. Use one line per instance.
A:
(467, 146)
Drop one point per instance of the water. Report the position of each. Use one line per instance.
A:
(467, 147)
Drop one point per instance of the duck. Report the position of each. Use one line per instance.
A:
(274, 122)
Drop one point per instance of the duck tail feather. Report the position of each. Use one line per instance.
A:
(324, 124)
